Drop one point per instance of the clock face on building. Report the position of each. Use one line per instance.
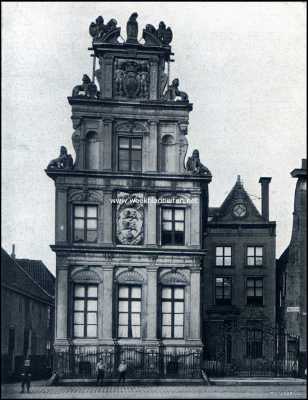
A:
(239, 210)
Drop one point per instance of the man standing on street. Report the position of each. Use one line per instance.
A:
(26, 376)
(100, 371)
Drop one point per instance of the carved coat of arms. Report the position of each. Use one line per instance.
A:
(131, 78)
(129, 218)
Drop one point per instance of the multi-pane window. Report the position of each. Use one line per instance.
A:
(85, 223)
(130, 154)
(223, 256)
(254, 291)
(172, 312)
(129, 311)
(223, 290)
(254, 255)
(173, 226)
(254, 343)
(85, 311)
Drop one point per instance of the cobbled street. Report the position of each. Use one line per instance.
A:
(39, 391)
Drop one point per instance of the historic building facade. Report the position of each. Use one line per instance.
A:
(238, 291)
(292, 279)
(129, 213)
(27, 323)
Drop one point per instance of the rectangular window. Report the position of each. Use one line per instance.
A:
(254, 256)
(129, 311)
(223, 290)
(129, 154)
(85, 311)
(173, 226)
(85, 223)
(254, 291)
(223, 256)
(172, 312)
(254, 343)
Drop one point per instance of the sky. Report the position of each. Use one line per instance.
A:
(243, 66)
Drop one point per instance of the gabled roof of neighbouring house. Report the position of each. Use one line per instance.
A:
(237, 195)
(15, 278)
(39, 272)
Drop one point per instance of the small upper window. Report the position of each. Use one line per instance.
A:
(223, 256)
(254, 256)
(130, 154)
(173, 226)
(85, 223)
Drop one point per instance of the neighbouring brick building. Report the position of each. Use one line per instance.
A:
(129, 212)
(27, 325)
(292, 278)
(238, 290)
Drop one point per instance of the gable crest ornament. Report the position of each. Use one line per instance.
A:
(131, 78)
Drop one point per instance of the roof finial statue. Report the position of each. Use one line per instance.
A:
(64, 161)
(173, 92)
(132, 29)
(195, 166)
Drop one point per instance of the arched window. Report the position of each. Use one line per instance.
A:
(92, 151)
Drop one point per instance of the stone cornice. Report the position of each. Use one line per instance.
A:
(64, 249)
(121, 175)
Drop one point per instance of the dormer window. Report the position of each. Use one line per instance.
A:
(129, 153)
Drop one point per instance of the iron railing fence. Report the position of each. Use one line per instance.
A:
(142, 362)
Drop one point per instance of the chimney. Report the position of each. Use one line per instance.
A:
(265, 181)
(13, 255)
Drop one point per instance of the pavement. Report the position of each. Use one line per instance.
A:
(288, 389)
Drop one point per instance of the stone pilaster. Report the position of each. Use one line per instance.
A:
(107, 213)
(107, 146)
(195, 220)
(61, 215)
(107, 79)
(107, 303)
(61, 303)
(151, 220)
(153, 79)
(101, 310)
(152, 156)
(152, 303)
(195, 303)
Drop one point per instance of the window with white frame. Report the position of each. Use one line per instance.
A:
(85, 310)
(254, 256)
(172, 312)
(129, 311)
(223, 257)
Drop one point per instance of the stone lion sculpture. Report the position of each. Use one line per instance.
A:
(64, 161)
(173, 92)
(195, 166)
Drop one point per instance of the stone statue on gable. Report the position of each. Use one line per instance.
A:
(195, 166)
(64, 161)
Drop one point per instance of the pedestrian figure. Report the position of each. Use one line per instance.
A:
(122, 371)
(100, 371)
(26, 376)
